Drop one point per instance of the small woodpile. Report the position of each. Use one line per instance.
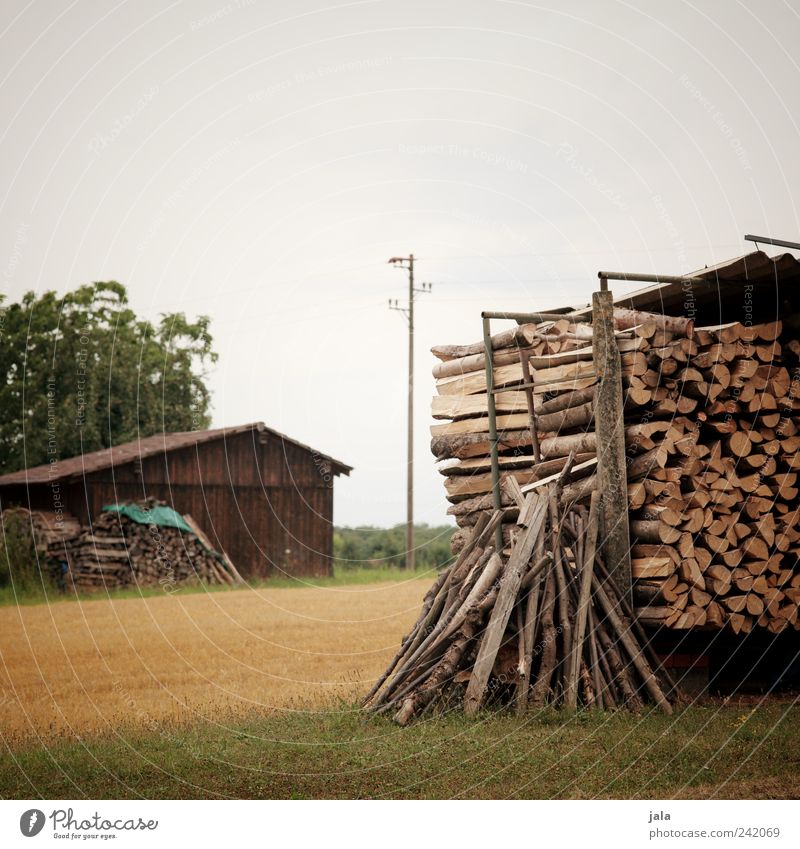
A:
(545, 625)
(712, 453)
(116, 551)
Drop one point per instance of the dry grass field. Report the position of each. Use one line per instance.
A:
(72, 669)
(251, 694)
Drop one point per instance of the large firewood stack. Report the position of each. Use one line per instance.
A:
(544, 625)
(718, 537)
(711, 450)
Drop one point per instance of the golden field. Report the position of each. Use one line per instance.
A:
(72, 669)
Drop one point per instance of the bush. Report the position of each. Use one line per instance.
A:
(371, 546)
(19, 567)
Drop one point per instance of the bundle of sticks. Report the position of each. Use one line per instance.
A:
(544, 625)
(118, 552)
(711, 428)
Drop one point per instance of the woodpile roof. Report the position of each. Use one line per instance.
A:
(709, 287)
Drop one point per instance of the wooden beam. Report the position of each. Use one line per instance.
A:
(610, 430)
(501, 612)
(584, 600)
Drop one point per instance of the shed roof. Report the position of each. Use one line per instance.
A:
(119, 455)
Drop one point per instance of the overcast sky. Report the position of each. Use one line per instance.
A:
(260, 161)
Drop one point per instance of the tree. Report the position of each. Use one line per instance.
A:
(370, 546)
(82, 373)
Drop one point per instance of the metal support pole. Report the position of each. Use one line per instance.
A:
(533, 317)
(605, 276)
(487, 341)
(610, 429)
(765, 240)
(527, 382)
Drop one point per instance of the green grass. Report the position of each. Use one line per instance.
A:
(714, 751)
(342, 576)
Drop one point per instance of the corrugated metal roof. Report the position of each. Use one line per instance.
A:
(707, 288)
(713, 283)
(119, 455)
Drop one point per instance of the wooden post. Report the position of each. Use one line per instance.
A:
(610, 432)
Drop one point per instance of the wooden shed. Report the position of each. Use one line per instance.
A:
(264, 498)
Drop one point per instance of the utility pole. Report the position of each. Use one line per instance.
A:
(408, 263)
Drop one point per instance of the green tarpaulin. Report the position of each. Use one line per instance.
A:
(164, 517)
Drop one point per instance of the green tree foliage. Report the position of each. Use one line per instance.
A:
(370, 546)
(82, 372)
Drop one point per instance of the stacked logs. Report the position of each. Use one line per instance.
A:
(552, 380)
(711, 424)
(116, 552)
(543, 626)
(50, 530)
(717, 541)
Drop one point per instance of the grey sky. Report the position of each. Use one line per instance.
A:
(260, 161)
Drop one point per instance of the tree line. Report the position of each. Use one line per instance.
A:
(371, 546)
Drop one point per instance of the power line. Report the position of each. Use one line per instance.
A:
(580, 253)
